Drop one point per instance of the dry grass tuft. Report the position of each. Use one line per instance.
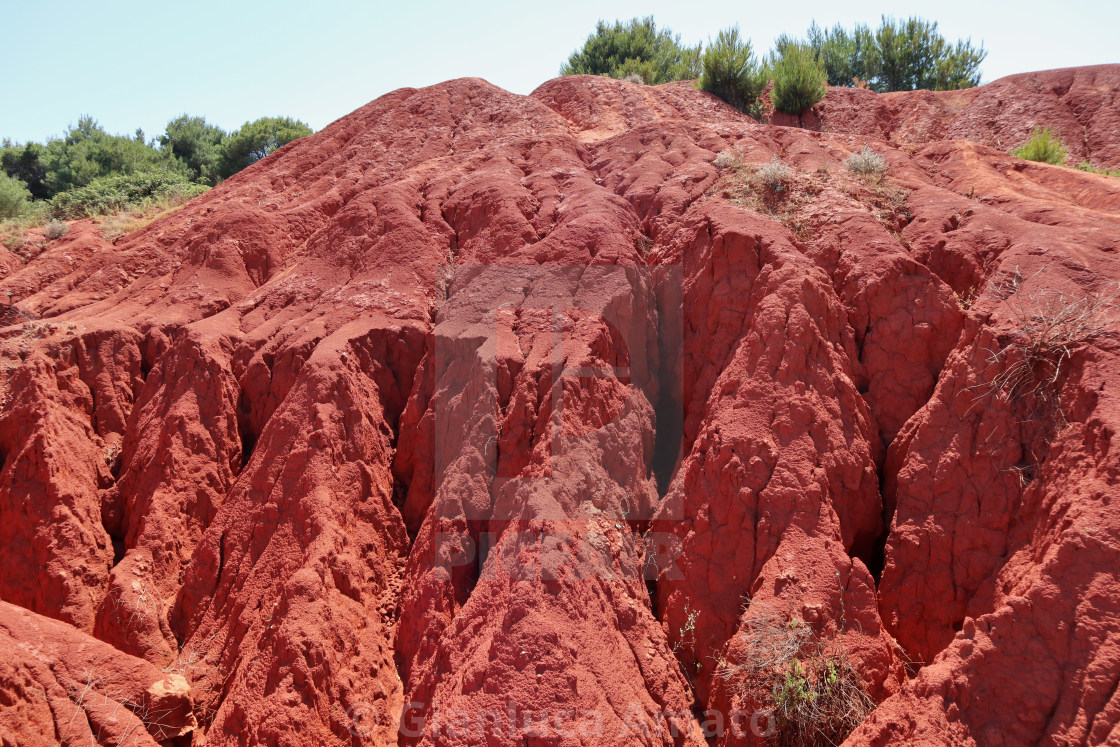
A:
(55, 229)
(774, 176)
(1049, 326)
(133, 219)
(866, 163)
(726, 159)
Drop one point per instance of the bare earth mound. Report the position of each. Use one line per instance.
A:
(490, 419)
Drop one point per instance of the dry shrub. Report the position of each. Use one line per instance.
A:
(122, 224)
(726, 159)
(815, 695)
(1049, 325)
(55, 229)
(867, 163)
(774, 176)
(13, 235)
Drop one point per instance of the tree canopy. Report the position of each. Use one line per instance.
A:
(87, 152)
(198, 144)
(898, 56)
(730, 70)
(634, 47)
(799, 78)
(89, 171)
(255, 140)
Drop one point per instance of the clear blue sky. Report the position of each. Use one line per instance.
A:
(138, 64)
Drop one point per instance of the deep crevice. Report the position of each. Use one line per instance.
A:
(221, 557)
(245, 431)
(877, 558)
(668, 436)
(119, 548)
(669, 408)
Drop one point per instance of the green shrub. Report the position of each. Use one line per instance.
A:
(111, 194)
(13, 197)
(730, 70)
(637, 71)
(257, 139)
(1086, 165)
(636, 47)
(799, 79)
(1044, 145)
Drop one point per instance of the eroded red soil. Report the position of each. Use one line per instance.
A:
(489, 419)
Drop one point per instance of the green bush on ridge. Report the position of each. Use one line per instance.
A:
(900, 55)
(799, 78)
(1087, 165)
(1044, 145)
(257, 139)
(636, 47)
(198, 144)
(88, 152)
(730, 70)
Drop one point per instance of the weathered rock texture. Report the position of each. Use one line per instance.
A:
(489, 419)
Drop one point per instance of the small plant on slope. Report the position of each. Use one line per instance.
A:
(816, 696)
(726, 159)
(1044, 145)
(866, 162)
(1087, 165)
(55, 229)
(774, 176)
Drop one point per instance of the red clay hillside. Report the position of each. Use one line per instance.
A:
(571, 419)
